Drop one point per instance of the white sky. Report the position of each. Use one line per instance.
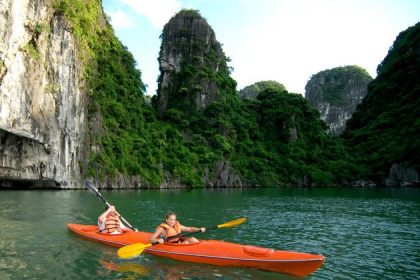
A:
(282, 40)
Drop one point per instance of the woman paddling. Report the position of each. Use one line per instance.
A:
(172, 227)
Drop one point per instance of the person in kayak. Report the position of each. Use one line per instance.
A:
(109, 222)
(171, 227)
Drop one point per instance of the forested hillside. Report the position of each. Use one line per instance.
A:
(385, 129)
(198, 132)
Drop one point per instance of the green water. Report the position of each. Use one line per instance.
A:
(364, 233)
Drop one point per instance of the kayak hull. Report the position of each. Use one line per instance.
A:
(212, 252)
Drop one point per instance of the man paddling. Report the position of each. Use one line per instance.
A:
(109, 222)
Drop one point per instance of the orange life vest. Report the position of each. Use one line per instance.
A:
(112, 224)
(171, 231)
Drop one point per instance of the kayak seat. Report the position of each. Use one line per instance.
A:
(257, 251)
(110, 234)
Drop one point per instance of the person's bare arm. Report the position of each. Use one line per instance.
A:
(156, 236)
(193, 229)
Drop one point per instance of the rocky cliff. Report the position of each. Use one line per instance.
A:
(336, 94)
(194, 76)
(190, 59)
(42, 112)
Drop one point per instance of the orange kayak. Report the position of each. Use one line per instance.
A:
(212, 252)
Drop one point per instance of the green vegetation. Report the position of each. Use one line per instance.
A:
(274, 139)
(41, 27)
(255, 136)
(125, 135)
(116, 92)
(282, 140)
(385, 128)
(35, 30)
(253, 90)
(31, 49)
(190, 13)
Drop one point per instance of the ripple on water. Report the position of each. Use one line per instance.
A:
(364, 234)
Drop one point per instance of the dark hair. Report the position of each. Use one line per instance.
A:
(170, 213)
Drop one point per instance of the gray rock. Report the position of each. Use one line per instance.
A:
(222, 175)
(188, 39)
(42, 111)
(401, 175)
(361, 183)
(336, 94)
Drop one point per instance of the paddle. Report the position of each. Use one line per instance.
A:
(92, 188)
(133, 250)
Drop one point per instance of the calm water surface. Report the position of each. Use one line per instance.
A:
(364, 233)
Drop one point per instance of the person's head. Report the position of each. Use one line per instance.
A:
(170, 218)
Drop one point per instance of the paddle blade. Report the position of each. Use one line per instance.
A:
(133, 250)
(91, 187)
(233, 223)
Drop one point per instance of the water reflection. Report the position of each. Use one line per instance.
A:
(157, 268)
(364, 233)
(134, 268)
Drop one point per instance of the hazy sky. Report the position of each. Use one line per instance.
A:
(282, 40)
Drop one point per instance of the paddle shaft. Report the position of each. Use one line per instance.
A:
(227, 224)
(98, 194)
(179, 235)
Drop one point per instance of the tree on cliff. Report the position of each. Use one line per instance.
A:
(385, 128)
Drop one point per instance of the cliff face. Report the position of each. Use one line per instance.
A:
(42, 115)
(336, 94)
(189, 60)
